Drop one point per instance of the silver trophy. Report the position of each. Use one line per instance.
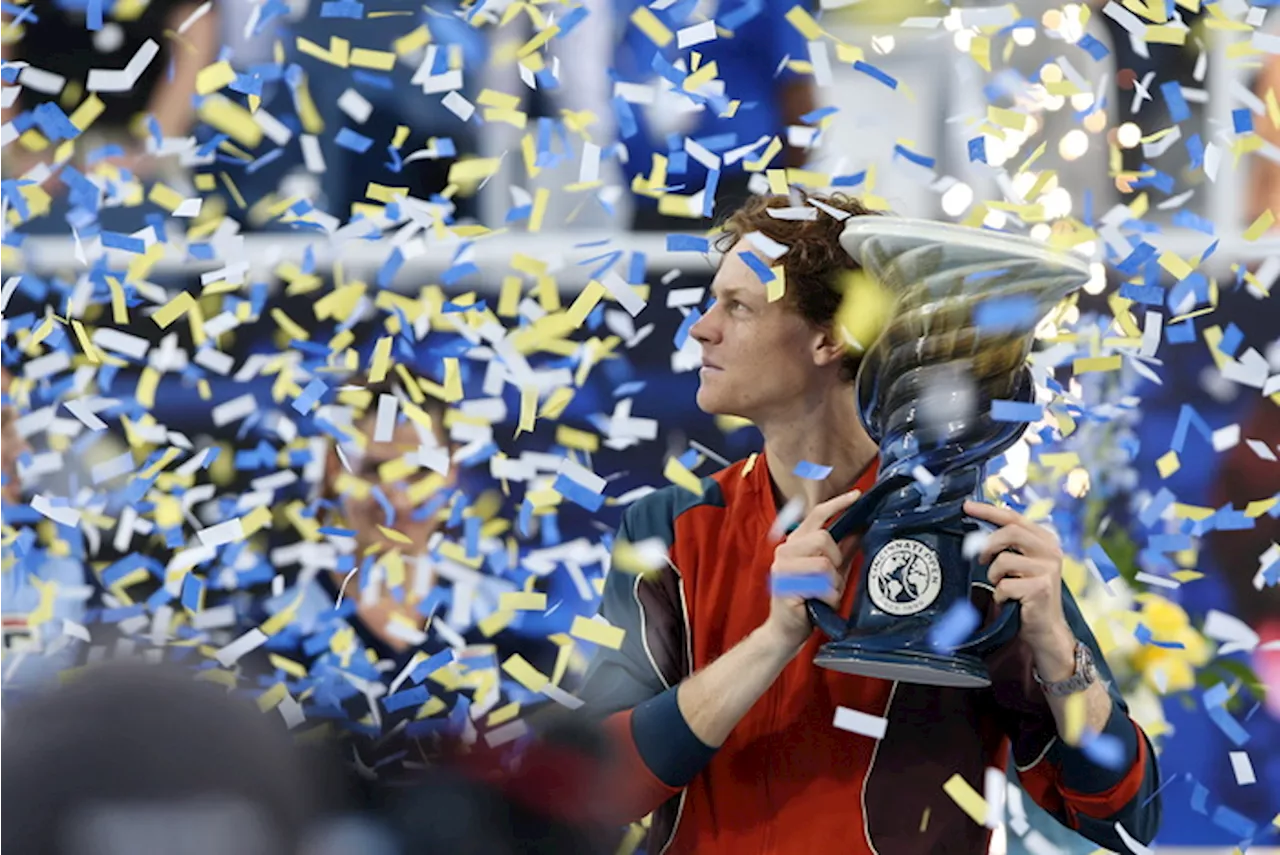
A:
(967, 305)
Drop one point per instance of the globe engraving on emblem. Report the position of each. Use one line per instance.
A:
(905, 577)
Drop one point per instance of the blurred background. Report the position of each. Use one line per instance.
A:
(223, 219)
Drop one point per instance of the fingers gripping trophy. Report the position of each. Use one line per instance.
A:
(967, 302)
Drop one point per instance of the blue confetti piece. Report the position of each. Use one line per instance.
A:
(811, 471)
(353, 141)
(1183, 332)
(1006, 314)
(849, 180)
(342, 9)
(734, 19)
(1016, 411)
(690, 460)
(978, 150)
(1200, 799)
(310, 395)
(914, 157)
(682, 334)
(1242, 120)
(1178, 110)
(1195, 150)
(1238, 824)
(1144, 636)
(115, 240)
(578, 494)
(954, 627)
(1147, 295)
(1105, 750)
(687, 243)
(1101, 560)
(1188, 418)
(93, 15)
(1232, 338)
(406, 698)
(875, 73)
(709, 193)
(436, 662)
(387, 274)
(758, 267)
(799, 585)
(192, 592)
(1093, 47)
(1213, 699)
(570, 20)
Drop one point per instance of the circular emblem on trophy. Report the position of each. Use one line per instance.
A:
(905, 577)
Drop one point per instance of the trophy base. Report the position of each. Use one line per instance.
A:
(953, 670)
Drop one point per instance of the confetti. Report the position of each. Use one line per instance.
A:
(862, 723)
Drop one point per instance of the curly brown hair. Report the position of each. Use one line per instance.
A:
(815, 264)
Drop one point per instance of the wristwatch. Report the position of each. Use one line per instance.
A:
(1084, 676)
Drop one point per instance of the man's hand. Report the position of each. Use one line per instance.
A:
(1026, 565)
(810, 551)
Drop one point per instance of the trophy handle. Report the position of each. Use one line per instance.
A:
(857, 518)
(1002, 631)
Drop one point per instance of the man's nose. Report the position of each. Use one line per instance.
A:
(705, 329)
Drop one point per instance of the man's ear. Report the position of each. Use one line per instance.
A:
(828, 345)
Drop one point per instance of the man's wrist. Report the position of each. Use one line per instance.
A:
(769, 644)
(1057, 661)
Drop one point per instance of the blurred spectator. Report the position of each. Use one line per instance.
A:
(39, 589)
(362, 109)
(133, 758)
(58, 44)
(1264, 183)
(750, 68)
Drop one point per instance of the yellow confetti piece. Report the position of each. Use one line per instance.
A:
(649, 24)
(1168, 463)
(1258, 507)
(980, 50)
(540, 199)
(287, 324)
(503, 714)
(256, 520)
(776, 287)
(232, 119)
(414, 40)
(1086, 364)
(381, 360)
(165, 196)
(677, 474)
(519, 669)
(501, 100)
(522, 601)
(378, 60)
(770, 152)
(397, 469)
(88, 112)
(473, 170)
(1074, 715)
(800, 18)
(394, 536)
(969, 800)
(85, 344)
(700, 78)
(147, 384)
(1259, 226)
(586, 300)
(1175, 265)
(597, 633)
(1163, 34)
(338, 54)
(273, 697)
(174, 309)
(211, 78)
(528, 408)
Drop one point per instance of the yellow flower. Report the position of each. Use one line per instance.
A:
(1168, 669)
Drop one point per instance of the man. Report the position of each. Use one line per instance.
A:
(723, 724)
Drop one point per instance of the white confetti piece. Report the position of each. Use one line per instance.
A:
(801, 212)
(215, 360)
(81, 410)
(41, 81)
(1226, 437)
(820, 59)
(590, 169)
(311, 154)
(132, 346)
(1243, 768)
(231, 653)
(1128, 839)
(581, 475)
(861, 723)
(994, 784)
(561, 697)
(459, 106)
(102, 80)
(696, 34)
(385, 424)
(42, 505)
(45, 366)
(1261, 449)
(765, 245)
(1234, 633)
(355, 105)
(274, 129)
(624, 293)
(112, 468)
(233, 410)
(231, 531)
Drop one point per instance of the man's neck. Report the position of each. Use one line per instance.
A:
(826, 432)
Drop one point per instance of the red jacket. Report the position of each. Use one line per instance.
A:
(787, 780)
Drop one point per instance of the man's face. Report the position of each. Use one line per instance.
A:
(758, 357)
(367, 513)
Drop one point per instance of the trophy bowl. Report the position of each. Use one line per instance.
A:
(966, 305)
